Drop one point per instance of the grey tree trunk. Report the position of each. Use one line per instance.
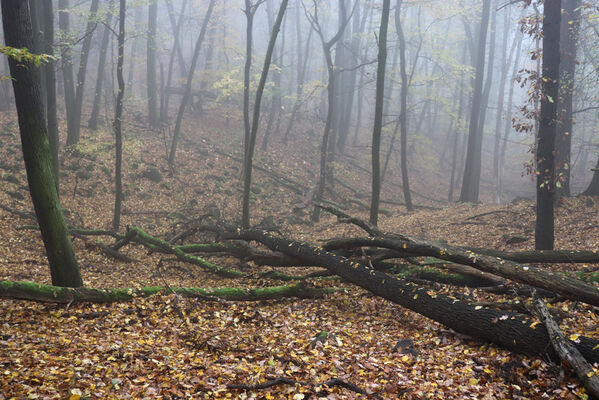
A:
(93, 120)
(118, 118)
(187, 93)
(378, 114)
(67, 64)
(247, 169)
(36, 148)
(569, 29)
(50, 74)
(151, 65)
(471, 179)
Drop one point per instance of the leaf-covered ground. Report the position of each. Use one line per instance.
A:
(171, 347)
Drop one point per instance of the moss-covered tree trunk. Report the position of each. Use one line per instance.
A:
(36, 148)
(53, 294)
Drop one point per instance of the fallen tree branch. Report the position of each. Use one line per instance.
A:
(566, 350)
(512, 331)
(570, 288)
(53, 294)
(145, 238)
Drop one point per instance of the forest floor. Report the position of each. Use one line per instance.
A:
(166, 346)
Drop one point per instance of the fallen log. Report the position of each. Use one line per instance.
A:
(510, 330)
(543, 256)
(53, 294)
(570, 288)
(567, 352)
(181, 255)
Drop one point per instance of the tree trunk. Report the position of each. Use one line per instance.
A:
(544, 235)
(93, 120)
(176, 27)
(151, 65)
(118, 119)
(593, 188)
(247, 169)
(174, 51)
(378, 114)
(403, 116)
(569, 28)
(133, 52)
(36, 149)
(51, 114)
(471, 179)
(505, 67)
(515, 332)
(67, 65)
(186, 95)
(53, 294)
(249, 11)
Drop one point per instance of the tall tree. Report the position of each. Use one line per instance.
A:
(247, 169)
(152, 86)
(570, 26)
(187, 92)
(118, 118)
(75, 132)
(403, 116)
(66, 63)
(249, 11)
(171, 61)
(36, 148)
(49, 71)
(378, 114)
(93, 119)
(471, 179)
(332, 72)
(544, 231)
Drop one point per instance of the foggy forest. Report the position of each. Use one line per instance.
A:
(299, 199)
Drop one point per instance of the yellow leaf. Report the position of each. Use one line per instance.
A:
(488, 371)
(590, 374)
(534, 324)
(574, 337)
(473, 381)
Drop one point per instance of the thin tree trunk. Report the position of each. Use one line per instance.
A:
(249, 11)
(93, 120)
(247, 169)
(505, 67)
(133, 53)
(118, 118)
(570, 26)
(187, 93)
(36, 148)
(153, 116)
(75, 133)
(544, 230)
(471, 179)
(403, 116)
(456, 124)
(508, 122)
(176, 45)
(67, 64)
(51, 113)
(176, 27)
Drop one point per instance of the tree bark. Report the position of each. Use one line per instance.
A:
(471, 179)
(53, 294)
(67, 64)
(51, 113)
(515, 332)
(544, 230)
(249, 156)
(569, 28)
(151, 65)
(93, 120)
(36, 149)
(378, 114)
(118, 119)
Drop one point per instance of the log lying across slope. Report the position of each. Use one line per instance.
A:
(54, 294)
(512, 331)
(570, 288)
